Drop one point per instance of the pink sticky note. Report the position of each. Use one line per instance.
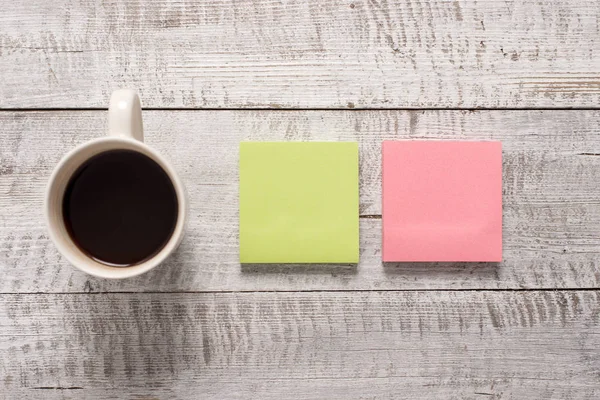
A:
(442, 201)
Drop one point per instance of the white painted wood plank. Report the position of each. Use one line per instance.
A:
(375, 345)
(266, 53)
(551, 198)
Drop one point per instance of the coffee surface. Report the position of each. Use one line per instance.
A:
(120, 208)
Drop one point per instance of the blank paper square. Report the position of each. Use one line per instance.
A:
(442, 201)
(299, 202)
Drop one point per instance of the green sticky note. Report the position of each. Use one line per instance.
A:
(299, 202)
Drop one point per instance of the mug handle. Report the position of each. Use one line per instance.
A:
(125, 115)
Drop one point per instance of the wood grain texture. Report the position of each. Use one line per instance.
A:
(417, 345)
(287, 54)
(551, 199)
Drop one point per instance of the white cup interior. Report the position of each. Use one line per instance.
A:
(54, 216)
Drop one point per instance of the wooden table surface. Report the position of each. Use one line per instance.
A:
(213, 73)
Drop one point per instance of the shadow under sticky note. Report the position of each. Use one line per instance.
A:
(299, 202)
(442, 201)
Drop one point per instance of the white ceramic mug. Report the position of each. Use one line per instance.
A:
(125, 132)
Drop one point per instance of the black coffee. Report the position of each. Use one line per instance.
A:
(120, 208)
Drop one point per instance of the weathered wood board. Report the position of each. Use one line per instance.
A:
(319, 345)
(206, 326)
(551, 198)
(282, 54)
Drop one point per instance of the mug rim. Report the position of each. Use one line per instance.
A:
(68, 250)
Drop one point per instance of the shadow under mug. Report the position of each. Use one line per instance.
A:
(125, 132)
